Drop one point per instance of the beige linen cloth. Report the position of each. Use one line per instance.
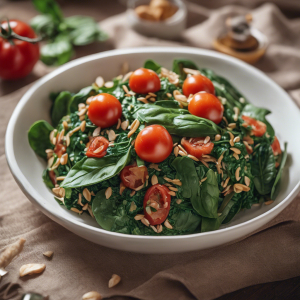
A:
(79, 266)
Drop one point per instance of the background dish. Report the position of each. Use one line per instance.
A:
(257, 87)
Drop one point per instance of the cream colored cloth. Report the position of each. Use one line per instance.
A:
(79, 266)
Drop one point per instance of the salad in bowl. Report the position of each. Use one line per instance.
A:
(159, 152)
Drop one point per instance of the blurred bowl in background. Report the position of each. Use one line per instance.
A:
(170, 28)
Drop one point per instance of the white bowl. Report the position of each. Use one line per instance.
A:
(27, 168)
(171, 28)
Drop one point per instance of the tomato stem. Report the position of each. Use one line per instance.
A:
(9, 35)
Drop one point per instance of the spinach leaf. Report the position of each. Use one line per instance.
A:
(108, 214)
(80, 97)
(230, 213)
(47, 180)
(60, 107)
(177, 121)
(207, 204)
(167, 103)
(186, 172)
(185, 221)
(179, 64)
(152, 65)
(57, 52)
(259, 114)
(84, 30)
(44, 25)
(263, 168)
(90, 171)
(38, 137)
(49, 7)
(208, 224)
(276, 185)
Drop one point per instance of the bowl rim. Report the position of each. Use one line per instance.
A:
(31, 193)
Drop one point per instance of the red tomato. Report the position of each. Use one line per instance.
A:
(104, 110)
(206, 105)
(144, 81)
(133, 176)
(276, 147)
(153, 144)
(158, 197)
(258, 128)
(52, 177)
(97, 147)
(17, 58)
(197, 83)
(60, 148)
(196, 146)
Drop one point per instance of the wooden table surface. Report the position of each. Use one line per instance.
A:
(286, 289)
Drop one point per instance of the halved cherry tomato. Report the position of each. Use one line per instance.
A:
(158, 197)
(144, 81)
(196, 146)
(60, 148)
(276, 147)
(133, 176)
(153, 144)
(197, 83)
(52, 177)
(97, 147)
(258, 128)
(104, 110)
(206, 105)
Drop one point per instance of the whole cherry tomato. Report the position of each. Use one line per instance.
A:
(196, 146)
(276, 147)
(157, 197)
(104, 110)
(97, 147)
(258, 128)
(197, 83)
(206, 105)
(17, 57)
(153, 144)
(144, 81)
(133, 176)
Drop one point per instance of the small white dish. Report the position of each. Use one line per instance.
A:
(27, 168)
(171, 28)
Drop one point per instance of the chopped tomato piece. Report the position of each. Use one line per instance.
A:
(133, 176)
(258, 128)
(196, 146)
(60, 148)
(52, 177)
(97, 147)
(276, 147)
(158, 198)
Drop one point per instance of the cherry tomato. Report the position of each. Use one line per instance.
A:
(197, 83)
(206, 105)
(97, 147)
(276, 147)
(158, 197)
(133, 176)
(196, 146)
(154, 144)
(144, 81)
(258, 128)
(104, 110)
(52, 177)
(17, 58)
